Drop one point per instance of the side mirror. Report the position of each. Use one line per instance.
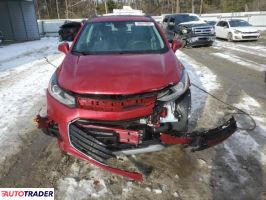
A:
(171, 25)
(176, 44)
(64, 47)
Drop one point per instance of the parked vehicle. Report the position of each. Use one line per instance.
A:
(1, 37)
(189, 28)
(69, 30)
(121, 91)
(236, 30)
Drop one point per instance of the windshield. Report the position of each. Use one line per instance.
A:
(238, 23)
(119, 37)
(186, 18)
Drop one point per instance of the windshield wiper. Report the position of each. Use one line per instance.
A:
(80, 52)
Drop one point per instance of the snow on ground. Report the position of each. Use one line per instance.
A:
(241, 61)
(258, 50)
(24, 84)
(201, 76)
(73, 187)
(14, 51)
(245, 144)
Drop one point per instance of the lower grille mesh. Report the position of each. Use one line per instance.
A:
(88, 145)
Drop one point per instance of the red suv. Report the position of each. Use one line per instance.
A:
(119, 91)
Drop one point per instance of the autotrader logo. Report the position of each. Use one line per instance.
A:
(27, 193)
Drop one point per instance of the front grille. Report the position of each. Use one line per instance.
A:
(249, 37)
(115, 105)
(84, 142)
(203, 30)
(203, 39)
(250, 32)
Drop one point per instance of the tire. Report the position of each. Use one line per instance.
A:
(209, 45)
(182, 112)
(230, 37)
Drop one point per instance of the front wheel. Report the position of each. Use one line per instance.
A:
(229, 37)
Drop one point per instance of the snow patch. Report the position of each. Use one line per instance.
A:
(257, 50)
(21, 89)
(70, 188)
(244, 143)
(22, 49)
(199, 73)
(74, 187)
(241, 61)
(201, 76)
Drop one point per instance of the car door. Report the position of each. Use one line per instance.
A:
(225, 29)
(218, 28)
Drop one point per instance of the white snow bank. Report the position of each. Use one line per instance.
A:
(21, 91)
(13, 51)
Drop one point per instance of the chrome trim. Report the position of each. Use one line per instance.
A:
(148, 149)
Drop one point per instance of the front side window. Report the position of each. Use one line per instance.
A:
(238, 23)
(120, 37)
(220, 23)
(166, 19)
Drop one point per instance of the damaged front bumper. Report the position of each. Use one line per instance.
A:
(86, 141)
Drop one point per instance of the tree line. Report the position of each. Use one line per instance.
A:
(64, 9)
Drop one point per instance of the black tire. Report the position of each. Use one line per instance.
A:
(230, 37)
(182, 112)
(208, 45)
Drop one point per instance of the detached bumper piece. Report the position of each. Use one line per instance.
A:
(97, 143)
(47, 126)
(200, 140)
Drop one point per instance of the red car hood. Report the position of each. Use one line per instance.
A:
(119, 74)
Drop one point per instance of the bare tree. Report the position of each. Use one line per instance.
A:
(192, 6)
(177, 6)
(67, 14)
(47, 9)
(57, 9)
(105, 5)
(201, 6)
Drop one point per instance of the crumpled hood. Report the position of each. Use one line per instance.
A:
(194, 24)
(246, 29)
(119, 74)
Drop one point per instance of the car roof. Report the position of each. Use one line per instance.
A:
(229, 20)
(122, 18)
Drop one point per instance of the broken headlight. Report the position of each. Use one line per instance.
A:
(59, 94)
(177, 90)
(184, 31)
